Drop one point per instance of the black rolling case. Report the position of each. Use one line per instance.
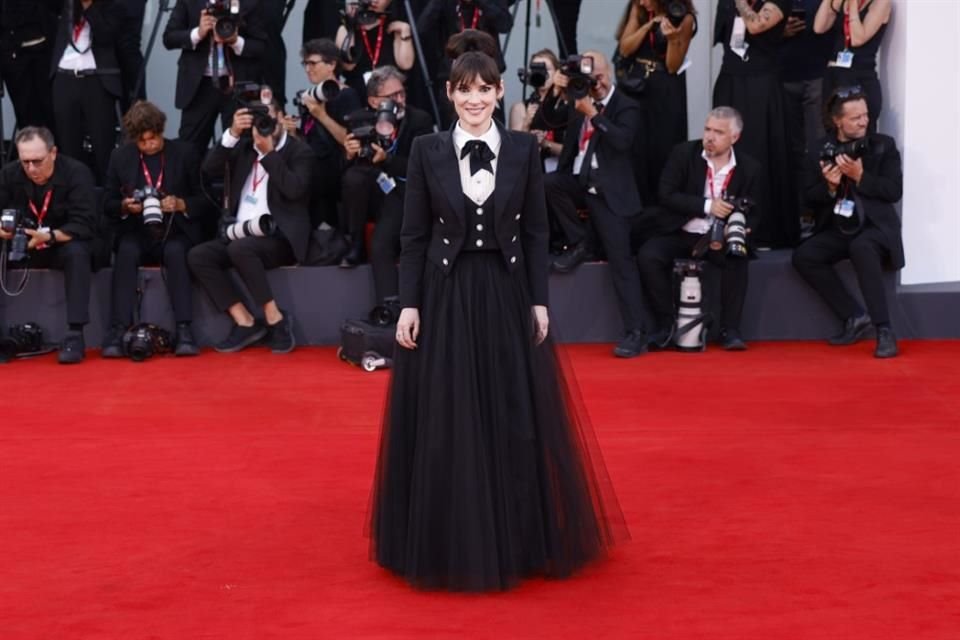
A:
(367, 345)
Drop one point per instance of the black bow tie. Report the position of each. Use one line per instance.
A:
(480, 155)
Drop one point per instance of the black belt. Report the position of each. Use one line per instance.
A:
(86, 73)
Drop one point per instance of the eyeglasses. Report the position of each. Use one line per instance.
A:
(312, 63)
(27, 162)
(396, 95)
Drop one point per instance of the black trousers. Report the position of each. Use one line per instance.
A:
(26, 74)
(867, 250)
(362, 198)
(198, 119)
(803, 110)
(565, 195)
(74, 259)
(567, 14)
(655, 260)
(251, 257)
(136, 248)
(86, 99)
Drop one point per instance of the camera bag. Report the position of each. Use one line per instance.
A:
(367, 345)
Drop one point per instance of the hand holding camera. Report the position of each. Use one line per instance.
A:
(831, 173)
(242, 121)
(173, 204)
(852, 168)
(131, 206)
(720, 208)
(38, 238)
(207, 24)
(6, 235)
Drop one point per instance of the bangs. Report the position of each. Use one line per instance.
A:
(471, 66)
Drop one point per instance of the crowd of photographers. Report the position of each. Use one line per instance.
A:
(791, 138)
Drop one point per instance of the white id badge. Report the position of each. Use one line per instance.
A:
(386, 183)
(738, 37)
(366, 76)
(844, 208)
(250, 199)
(844, 59)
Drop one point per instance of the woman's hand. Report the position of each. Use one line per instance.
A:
(408, 327)
(541, 323)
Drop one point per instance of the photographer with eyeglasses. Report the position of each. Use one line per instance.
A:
(853, 182)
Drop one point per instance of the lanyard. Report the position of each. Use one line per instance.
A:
(146, 173)
(257, 181)
(78, 29)
(40, 215)
(846, 24)
(726, 181)
(588, 128)
(374, 54)
(473, 22)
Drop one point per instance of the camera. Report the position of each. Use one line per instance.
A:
(23, 340)
(374, 127)
(256, 98)
(13, 221)
(227, 13)
(365, 14)
(259, 227)
(144, 341)
(580, 71)
(855, 149)
(676, 12)
(386, 314)
(536, 76)
(324, 92)
(150, 199)
(732, 232)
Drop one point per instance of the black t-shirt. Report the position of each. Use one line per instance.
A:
(321, 141)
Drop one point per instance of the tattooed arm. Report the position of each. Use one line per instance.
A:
(767, 18)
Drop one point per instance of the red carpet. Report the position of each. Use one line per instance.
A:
(793, 491)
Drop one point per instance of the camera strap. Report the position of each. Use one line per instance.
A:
(148, 177)
(473, 22)
(374, 54)
(726, 181)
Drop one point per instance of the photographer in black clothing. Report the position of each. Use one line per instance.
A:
(373, 35)
(54, 199)
(321, 123)
(153, 228)
(374, 183)
(28, 28)
(700, 186)
(215, 57)
(853, 182)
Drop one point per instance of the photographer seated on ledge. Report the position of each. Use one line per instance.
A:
(55, 201)
(852, 188)
(269, 200)
(702, 188)
(154, 200)
(377, 149)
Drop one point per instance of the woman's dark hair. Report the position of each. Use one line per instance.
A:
(472, 65)
(838, 100)
(471, 40)
(644, 17)
(142, 117)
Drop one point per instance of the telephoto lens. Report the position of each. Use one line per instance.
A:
(736, 234)
(262, 225)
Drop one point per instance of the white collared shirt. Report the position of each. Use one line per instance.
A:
(253, 201)
(79, 57)
(478, 186)
(702, 225)
(237, 47)
(581, 153)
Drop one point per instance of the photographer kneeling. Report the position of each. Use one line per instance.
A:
(154, 200)
(852, 188)
(269, 191)
(48, 221)
(374, 184)
(706, 195)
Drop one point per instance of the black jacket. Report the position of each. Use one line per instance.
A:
(441, 17)
(288, 190)
(415, 123)
(193, 62)
(435, 220)
(105, 18)
(23, 21)
(682, 182)
(181, 178)
(613, 141)
(879, 189)
(73, 204)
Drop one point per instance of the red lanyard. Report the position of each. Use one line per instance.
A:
(474, 22)
(258, 181)
(846, 24)
(148, 177)
(726, 181)
(40, 215)
(78, 29)
(588, 128)
(374, 54)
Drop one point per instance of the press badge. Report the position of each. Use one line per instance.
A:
(844, 208)
(386, 183)
(366, 76)
(251, 199)
(844, 59)
(738, 37)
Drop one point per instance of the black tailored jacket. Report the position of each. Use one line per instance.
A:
(435, 220)
(288, 190)
(181, 178)
(682, 181)
(105, 18)
(193, 62)
(24, 21)
(73, 204)
(613, 141)
(415, 123)
(879, 189)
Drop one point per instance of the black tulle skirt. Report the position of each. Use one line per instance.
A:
(487, 473)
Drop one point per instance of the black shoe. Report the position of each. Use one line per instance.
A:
(113, 343)
(571, 258)
(72, 348)
(660, 340)
(854, 329)
(886, 343)
(186, 345)
(632, 345)
(280, 336)
(732, 341)
(242, 337)
(353, 258)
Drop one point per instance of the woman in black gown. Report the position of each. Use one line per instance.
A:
(749, 81)
(656, 47)
(486, 474)
(858, 27)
